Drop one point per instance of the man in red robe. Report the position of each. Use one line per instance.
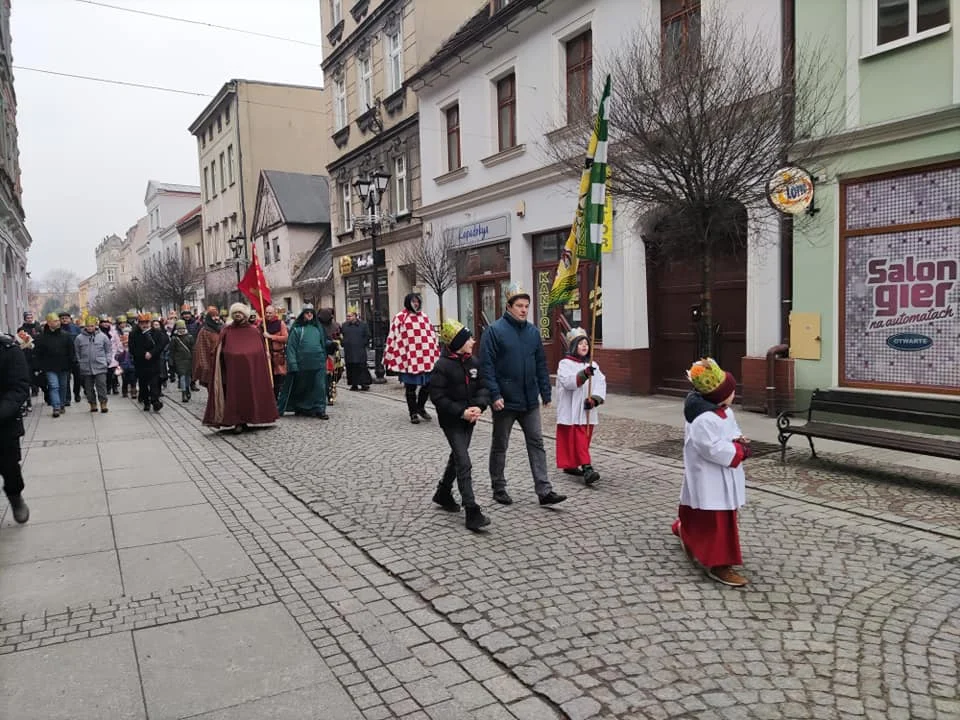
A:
(241, 388)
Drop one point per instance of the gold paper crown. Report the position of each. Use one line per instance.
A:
(516, 290)
(706, 376)
(575, 334)
(449, 331)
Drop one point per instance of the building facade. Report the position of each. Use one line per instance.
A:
(877, 270)
(247, 128)
(372, 126)
(109, 255)
(292, 218)
(491, 102)
(14, 238)
(190, 229)
(165, 204)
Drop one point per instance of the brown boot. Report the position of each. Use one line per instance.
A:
(93, 407)
(103, 406)
(726, 575)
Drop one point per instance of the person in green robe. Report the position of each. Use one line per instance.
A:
(305, 385)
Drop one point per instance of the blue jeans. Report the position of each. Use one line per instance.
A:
(184, 383)
(57, 383)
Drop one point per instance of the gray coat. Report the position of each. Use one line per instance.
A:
(93, 352)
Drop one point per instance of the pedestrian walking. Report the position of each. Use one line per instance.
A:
(714, 484)
(460, 397)
(411, 351)
(113, 371)
(94, 352)
(125, 361)
(181, 357)
(70, 329)
(305, 385)
(355, 338)
(55, 356)
(277, 334)
(31, 328)
(206, 347)
(14, 391)
(581, 389)
(515, 371)
(147, 345)
(240, 392)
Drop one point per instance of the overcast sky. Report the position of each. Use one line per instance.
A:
(88, 149)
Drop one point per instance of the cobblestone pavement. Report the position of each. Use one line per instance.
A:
(591, 604)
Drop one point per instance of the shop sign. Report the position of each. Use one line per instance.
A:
(346, 267)
(902, 315)
(358, 263)
(497, 228)
(790, 190)
(544, 283)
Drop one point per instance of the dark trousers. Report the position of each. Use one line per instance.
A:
(277, 386)
(129, 382)
(113, 381)
(77, 383)
(529, 420)
(149, 387)
(95, 387)
(459, 466)
(416, 402)
(10, 467)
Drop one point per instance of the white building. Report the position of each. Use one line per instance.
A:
(165, 205)
(491, 100)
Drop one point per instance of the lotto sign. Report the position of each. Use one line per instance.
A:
(902, 315)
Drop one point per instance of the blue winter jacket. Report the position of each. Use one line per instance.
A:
(514, 364)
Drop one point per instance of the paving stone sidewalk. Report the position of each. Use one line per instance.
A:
(162, 575)
(592, 604)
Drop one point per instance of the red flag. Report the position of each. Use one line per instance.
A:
(254, 284)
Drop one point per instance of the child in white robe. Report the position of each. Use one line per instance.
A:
(714, 485)
(581, 389)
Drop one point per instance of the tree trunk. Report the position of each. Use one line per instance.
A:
(706, 302)
(440, 303)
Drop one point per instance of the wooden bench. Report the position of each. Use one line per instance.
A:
(834, 414)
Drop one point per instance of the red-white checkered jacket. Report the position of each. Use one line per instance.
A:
(412, 346)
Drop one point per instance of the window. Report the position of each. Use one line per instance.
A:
(223, 174)
(226, 115)
(266, 251)
(276, 249)
(679, 31)
(394, 60)
(230, 161)
(339, 104)
(346, 208)
(210, 133)
(401, 204)
(219, 124)
(899, 22)
(579, 74)
(507, 111)
(453, 137)
(365, 87)
(206, 183)
(500, 4)
(336, 12)
(213, 176)
(111, 275)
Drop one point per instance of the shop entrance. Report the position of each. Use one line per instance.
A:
(484, 274)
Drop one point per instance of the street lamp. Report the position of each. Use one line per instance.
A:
(371, 190)
(238, 246)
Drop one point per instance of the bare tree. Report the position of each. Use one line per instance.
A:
(434, 259)
(314, 290)
(697, 131)
(168, 282)
(61, 282)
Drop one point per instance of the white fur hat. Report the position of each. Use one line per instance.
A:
(240, 308)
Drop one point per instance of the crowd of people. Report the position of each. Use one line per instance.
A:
(256, 370)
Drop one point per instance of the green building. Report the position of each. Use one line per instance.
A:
(876, 275)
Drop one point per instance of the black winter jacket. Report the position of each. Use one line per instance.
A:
(151, 341)
(456, 383)
(14, 390)
(54, 351)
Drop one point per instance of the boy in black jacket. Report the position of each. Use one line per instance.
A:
(460, 396)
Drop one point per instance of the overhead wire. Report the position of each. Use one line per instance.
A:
(198, 22)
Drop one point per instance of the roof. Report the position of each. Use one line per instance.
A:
(319, 266)
(155, 186)
(473, 31)
(196, 212)
(303, 199)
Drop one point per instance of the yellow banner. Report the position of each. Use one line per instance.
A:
(608, 219)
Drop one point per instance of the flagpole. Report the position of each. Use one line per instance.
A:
(593, 335)
(263, 314)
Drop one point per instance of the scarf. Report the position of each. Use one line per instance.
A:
(273, 326)
(210, 324)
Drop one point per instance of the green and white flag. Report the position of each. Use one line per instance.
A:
(590, 240)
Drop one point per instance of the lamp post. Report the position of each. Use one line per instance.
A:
(371, 190)
(238, 246)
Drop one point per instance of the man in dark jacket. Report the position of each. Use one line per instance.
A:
(515, 371)
(71, 329)
(14, 391)
(54, 355)
(146, 347)
(32, 328)
(355, 337)
(459, 395)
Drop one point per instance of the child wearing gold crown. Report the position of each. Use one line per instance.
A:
(581, 389)
(460, 397)
(714, 485)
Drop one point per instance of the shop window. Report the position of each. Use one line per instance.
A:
(577, 312)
